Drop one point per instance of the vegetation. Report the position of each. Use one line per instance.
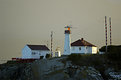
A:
(113, 56)
(110, 48)
(86, 59)
(101, 62)
(48, 55)
(41, 57)
(75, 58)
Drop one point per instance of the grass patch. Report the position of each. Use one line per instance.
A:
(86, 59)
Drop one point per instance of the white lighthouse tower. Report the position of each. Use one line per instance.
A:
(67, 46)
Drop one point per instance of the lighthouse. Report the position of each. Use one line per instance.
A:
(67, 46)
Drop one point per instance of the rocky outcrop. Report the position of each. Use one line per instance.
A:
(58, 69)
(113, 75)
(42, 68)
(54, 69)
(19, 71)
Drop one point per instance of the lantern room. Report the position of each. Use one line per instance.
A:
(67, 30)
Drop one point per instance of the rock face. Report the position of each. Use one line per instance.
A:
(54, 69)
(112, 75)
(58, 69)
(15, 72)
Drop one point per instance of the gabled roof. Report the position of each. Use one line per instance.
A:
(81, 42)
(38, 47)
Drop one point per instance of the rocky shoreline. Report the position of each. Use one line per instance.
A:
(53, 69)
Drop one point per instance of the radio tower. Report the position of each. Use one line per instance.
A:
(110, 30)
(106, 31)
(51, 43)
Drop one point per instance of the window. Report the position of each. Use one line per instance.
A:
(33, 53)
(86, 47)
(79, 48)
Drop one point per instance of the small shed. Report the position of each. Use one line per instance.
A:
(57, 52)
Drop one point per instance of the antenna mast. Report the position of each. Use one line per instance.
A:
(106, 31)
(47, 44)
(110, 31)
(51, 42)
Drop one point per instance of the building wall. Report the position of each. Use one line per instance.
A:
(83, 49)
(94, 50)
(67, 50)
(38, 53)
(28, 53)
(101, 52)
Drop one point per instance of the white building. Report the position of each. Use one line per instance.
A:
(34, 51)
(57, 53)
(83, 47)
(67, 46)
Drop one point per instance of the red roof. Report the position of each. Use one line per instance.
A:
(81, 42)
(38, 47)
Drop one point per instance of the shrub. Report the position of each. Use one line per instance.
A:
(114, 56)
(48, 55)
(114, 59)
(111, 48)
(75, 58)
(41, 57)
(102, 49)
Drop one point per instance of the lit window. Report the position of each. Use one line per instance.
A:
(79, 48)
